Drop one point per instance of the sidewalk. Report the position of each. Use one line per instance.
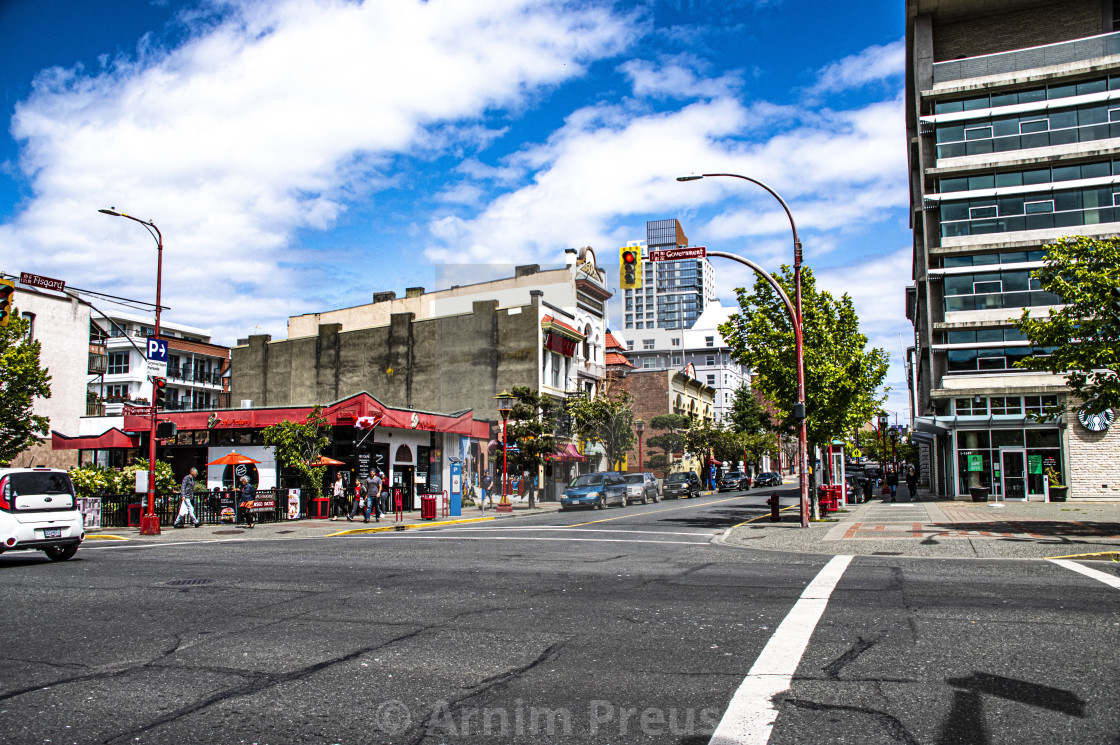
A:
(308, 528)
(944, 530)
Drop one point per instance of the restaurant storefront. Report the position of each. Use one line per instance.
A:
(414, 450)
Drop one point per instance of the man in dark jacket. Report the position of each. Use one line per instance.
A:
(248, 501)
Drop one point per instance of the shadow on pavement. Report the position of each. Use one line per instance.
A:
(717, 519)
(1044, 528)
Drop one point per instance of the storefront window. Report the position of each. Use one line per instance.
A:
(979, 460)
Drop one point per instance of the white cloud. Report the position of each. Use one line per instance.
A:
(264, 123)
(680, 76)
(873, 64)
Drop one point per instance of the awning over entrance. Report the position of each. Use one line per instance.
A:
(933, 425)
(113, 438)
(567, 454)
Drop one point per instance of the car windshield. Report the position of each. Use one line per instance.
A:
(40, 483)
(634, 478)
(587, 479)
(677, 477)
(733, 475)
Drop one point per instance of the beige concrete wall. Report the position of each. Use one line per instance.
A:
(1094, 461)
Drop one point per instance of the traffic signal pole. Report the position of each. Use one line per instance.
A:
(149, 522)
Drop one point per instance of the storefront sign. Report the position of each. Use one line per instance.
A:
(264, 504)
(1034, 464)
(127, 410)
(976, 463)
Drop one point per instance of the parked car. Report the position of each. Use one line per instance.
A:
(734, 481)
(853, 485)
(768, 478)
(642, 486)
(39, 512)
(595, 490)
(682, 485)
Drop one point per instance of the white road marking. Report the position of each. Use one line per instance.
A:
(433, 537)
(1096, 574)
(578, 530)
(750, 716)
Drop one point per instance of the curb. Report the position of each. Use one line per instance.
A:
(105, 537)
(409, 526)
(1099, 556)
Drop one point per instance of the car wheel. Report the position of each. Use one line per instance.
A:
(60, 553)
(622, 502)
(645, 499)
(602, 502)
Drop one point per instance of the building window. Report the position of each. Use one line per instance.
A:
(711, 380)
(118, 363)
(676, 360)
(710, 360)
(676, 342)
(630, 345)
(709, 341)
(30, 318)
(647, 343)
(649, 362)
(116, 392)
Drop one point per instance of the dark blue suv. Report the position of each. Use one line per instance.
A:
(595, 490)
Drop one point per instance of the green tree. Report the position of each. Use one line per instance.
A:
(706, 439)
(842, 376)
(606, 419)
(671, 439)
(21, 380)
(1082, 337)
(298, 444)
(747, 413)
(757, 445)
(530, 428)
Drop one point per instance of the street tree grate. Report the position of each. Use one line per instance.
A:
(181, 582)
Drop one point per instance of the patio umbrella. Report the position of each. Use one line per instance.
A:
(323, 460)
(232, 459)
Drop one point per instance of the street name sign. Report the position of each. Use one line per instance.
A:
(677, 254)
(128, 410)
(45, 282)
(157, 357)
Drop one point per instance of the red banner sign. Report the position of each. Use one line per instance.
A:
(676, 254)
(45, 282)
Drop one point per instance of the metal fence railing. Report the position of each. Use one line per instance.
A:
(122, 511)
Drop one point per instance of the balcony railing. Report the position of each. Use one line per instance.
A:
(95, 408)
(98, 364)
(188, 374)
(1063, 53)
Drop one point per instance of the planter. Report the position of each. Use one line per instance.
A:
(979, 493)
(1058, 493)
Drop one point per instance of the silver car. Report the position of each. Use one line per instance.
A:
(642, 486)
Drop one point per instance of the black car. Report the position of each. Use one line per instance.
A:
(682, 485)
(768, 478)
(734, 481)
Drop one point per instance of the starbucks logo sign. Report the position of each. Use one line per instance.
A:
(1095, 422)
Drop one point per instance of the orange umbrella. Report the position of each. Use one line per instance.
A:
(232, 459)
(323, 460)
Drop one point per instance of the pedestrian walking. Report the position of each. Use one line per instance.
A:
(372, 498)
(338, 497)
(892, 482)
(486, 487)
(186, 506)
(912, 481)
(248, 501)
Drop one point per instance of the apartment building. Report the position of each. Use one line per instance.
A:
(673, 294)
(1013, 126)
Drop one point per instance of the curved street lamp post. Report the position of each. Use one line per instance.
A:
(149, 523)
(505, 406)
(794, 310)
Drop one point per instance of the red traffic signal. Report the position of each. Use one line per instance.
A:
(159, 392)
(630, 262)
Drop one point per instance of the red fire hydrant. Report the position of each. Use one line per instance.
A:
(773, 502)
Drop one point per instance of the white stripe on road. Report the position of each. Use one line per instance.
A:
(1096, 574)
(750, 716)
(432, 537)
(580, 530)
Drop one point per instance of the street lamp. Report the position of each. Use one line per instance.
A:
(795, 316)
(639, 429)
(884, 422)
(149, 523)
(505, 406)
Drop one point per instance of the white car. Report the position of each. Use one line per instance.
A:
(39, 512)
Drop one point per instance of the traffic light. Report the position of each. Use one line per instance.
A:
(7, 290)
(1114, 302)
(630, 266)
(159, 392)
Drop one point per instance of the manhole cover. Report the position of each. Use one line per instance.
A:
(226, 532)
(181, 582)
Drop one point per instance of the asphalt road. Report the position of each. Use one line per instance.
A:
(608, 626)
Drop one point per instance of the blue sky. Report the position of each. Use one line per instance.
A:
(299, 155)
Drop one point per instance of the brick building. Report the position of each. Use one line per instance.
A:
(659, 392)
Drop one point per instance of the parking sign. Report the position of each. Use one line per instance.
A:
(157, 357)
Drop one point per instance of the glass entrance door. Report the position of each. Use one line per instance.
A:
(1013, 474)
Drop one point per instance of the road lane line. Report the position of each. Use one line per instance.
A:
(575, 530)
(751, 714)
(433, 537)
(654, 512)
(1096, 574)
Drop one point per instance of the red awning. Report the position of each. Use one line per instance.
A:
(567, 453)
(113, 438)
